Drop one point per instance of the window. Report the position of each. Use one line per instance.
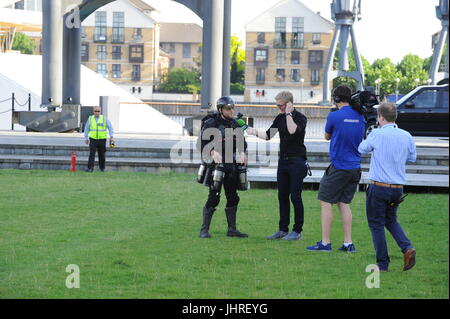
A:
(83, 32)
(279, 76)
(260, 76)
(426, 99)
(297, 39)
(280, 32)
(116, 52)
(298, 24)
(315, 59)
(101, 52)
(281, 57)
(315, 77)
(260, 57)
(136, 74)
(137, 35)
(101, 69)
(295, 57)
(19, 5)
(84, 52)
(295, 75)
(171, 62)
(100, 26)
(316, 38)
(118, 27)
(261, 37)
(186, 50)
(137, 53)
(116, 71)
(168, 47)
(444, 99)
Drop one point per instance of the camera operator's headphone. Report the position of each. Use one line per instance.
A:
(336, 98)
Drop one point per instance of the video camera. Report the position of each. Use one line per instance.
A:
(363, 101)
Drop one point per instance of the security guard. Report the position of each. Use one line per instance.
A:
(95, 135)
(223, 139)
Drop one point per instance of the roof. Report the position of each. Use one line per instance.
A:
(314, 22)
(141, 5)
(180, 32)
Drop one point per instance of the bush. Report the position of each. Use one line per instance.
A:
(237, 88)
(181, 80)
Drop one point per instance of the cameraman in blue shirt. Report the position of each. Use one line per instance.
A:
(345, 130)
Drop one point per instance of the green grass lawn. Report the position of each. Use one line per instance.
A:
(135, 235)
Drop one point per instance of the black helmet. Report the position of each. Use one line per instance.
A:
(224, 101)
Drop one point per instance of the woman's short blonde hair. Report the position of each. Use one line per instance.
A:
(285, 96)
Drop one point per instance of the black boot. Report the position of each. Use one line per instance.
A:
(231, 219)
(207, 216)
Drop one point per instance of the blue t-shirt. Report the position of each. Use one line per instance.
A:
(346, 127)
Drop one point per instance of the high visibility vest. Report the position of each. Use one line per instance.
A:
(97, 131)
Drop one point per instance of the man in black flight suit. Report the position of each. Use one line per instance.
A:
(224, 140)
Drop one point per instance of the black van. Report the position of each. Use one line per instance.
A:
(424, 111)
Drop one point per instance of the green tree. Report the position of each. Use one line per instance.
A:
(180, 80)
(237, 65)
(237, 60)
(411, 67)
(23, 43)
(385, 70)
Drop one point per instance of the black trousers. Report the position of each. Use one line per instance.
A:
(100, 147)
(230, 187)
(290, 175)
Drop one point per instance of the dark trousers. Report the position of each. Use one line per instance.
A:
(290, 175)
(380, 215)
(230, 187)
(100, 147)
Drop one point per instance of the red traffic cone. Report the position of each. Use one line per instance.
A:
(73, 164)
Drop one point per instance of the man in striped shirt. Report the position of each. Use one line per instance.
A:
(391, 148)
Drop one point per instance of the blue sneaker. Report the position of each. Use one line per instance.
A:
(319, 246)
(350, 248)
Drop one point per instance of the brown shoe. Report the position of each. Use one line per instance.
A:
(409, 258)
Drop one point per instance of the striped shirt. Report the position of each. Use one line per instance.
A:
(391, 148)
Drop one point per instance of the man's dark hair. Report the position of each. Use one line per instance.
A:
(388, 111)
(342, 93)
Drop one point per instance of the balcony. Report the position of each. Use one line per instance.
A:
(118, 39)
(279, 44)
(100, 37)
